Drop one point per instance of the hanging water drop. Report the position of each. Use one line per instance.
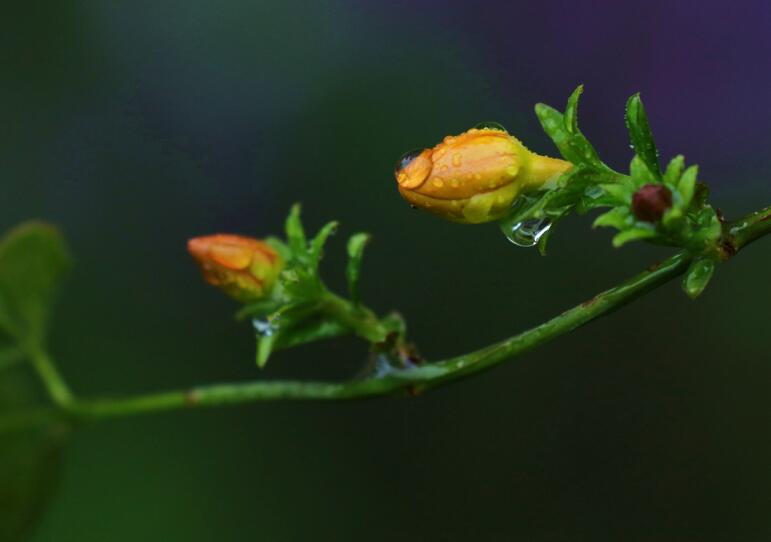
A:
(405, 159)
(490, 126)
(264, 328)
(526, 233)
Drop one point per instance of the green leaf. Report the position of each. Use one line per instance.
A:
(293, 325)
(674, 171)
(687, 185)
(563, 130)
(264, 349)
(33, 261)
(640, 173)
(698, 276)
(618, 192)
(619, 218)
(641, 136)
(317, 245)
(30, 458)
(295, 233)
(310, 330)
(356, 245)
(632, 234)
(281, 247)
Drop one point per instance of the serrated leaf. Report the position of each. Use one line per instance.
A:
(571, 111)
(563, 130)
(356, 245)
(317, 244)
(641, 136)
(33, 261)
(687, 184)
(674, 171)
(698, 276)
(295, 233)
(632, 234)
(618, 218)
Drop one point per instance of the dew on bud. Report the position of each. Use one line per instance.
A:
(526, 233)
(264, 328)
(405, 159)
(490, 126)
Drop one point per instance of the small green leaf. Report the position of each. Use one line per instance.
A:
(281, 247)
(633, 234)
(687, 185)
(618, 192)
(619, 218)
(698, 276)
(264, 349)
(641, 136)
(674, 171)
(295, 233)
(571, 111)
(563, 130)
(356, 245)
(640, 173)
(310, 330)
(317, 245)
(33, 261)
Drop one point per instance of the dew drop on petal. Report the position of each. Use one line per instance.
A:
(405, 159)
(490, 126)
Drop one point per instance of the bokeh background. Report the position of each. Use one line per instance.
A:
(135, 125)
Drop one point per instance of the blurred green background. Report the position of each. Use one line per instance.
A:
(136, 125)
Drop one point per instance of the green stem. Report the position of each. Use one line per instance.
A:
(360, 319)
(736, 236)
(49, 375)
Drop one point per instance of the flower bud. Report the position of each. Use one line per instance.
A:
(651, 201)
(244, 268)
(474, 177)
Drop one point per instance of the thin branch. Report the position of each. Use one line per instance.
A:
(737, 235)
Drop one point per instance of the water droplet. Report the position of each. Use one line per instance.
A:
(265, 328)
(455, 183)
(437, 182)
(456, 159)
(526, 233)
(490, 126)
(594, 192)
(405, 160)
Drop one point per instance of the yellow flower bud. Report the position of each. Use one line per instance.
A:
(474, 177)
(244, 268)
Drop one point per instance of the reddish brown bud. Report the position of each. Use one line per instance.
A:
(651, 201)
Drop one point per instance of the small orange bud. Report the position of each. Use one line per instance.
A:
(474, 177)
(244, 268)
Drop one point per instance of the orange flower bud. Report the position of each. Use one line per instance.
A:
(244, 268)
(474, 177)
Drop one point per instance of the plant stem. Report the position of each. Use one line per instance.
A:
(736, 235)
(54, 383)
